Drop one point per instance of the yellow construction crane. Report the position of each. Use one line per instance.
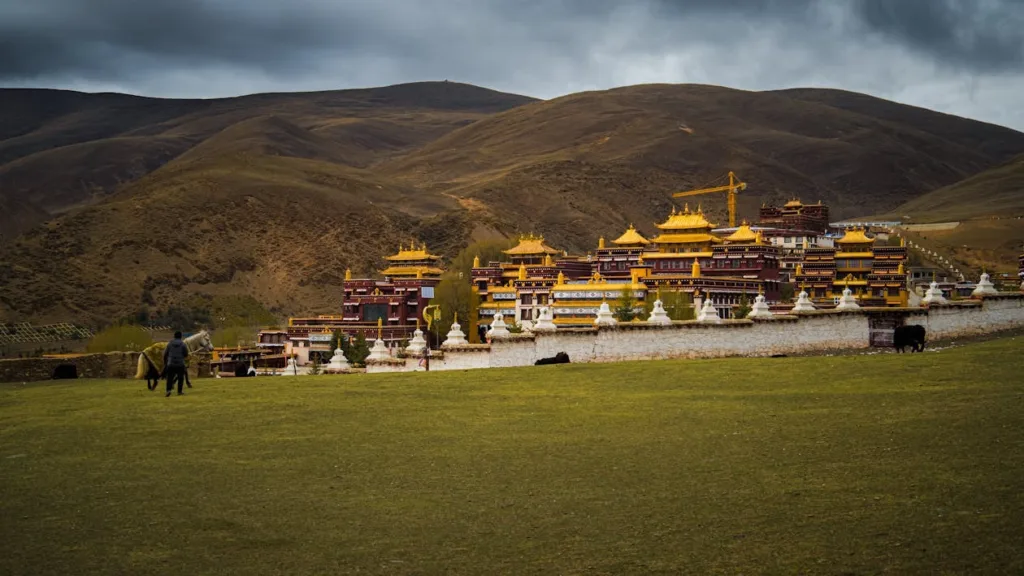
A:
(731, 188)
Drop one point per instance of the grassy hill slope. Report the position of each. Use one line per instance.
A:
(589, 163)
(272, 196)
(995, 192)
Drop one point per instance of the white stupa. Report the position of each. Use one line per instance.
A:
(338, 361)
(417, 344)
(934, 295)
(658, 315)
(760, 308)
(984, 287)
(708, 313)
(848, 302)
(545, 321)
(379, 351)
(803, 303)
(498, 327)
(455, 336)
(605, 316)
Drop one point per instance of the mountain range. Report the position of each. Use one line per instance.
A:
(111, 202)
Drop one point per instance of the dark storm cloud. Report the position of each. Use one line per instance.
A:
(919, 50)
(986, 35)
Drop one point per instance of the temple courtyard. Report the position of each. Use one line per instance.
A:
(857, 464)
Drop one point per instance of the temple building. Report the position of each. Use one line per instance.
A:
(519, 286)
(875, 274)
(795, 215)
(615, 262)
(398, 301)
(575, 303)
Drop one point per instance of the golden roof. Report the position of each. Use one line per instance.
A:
(412, 271)
(412, 253)
(794, 203)
(678, 255)
(631, 236)
(686, 220)
(743, 234)
(855, 236)
(530, 245)
(691, 238)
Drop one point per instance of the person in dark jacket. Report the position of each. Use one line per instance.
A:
(174, 363)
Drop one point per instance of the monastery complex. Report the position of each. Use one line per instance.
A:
(792, 249)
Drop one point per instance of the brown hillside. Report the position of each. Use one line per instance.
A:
(274, 195)
(60, 149)
(588, 162)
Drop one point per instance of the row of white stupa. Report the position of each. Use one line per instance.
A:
(707, 314)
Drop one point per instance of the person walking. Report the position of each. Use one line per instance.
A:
(174, 363)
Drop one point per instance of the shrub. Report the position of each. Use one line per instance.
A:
(120, 338)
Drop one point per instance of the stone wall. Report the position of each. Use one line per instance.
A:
(106, 365)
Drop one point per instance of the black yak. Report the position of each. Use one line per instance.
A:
(560, 358)
(912, 336)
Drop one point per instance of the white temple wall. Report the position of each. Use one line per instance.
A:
(810, 332)
(460, 360)
(970, 318)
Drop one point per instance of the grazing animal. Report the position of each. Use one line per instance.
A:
(151, 361)
(560, 358)
(912, 336)
(63, 371)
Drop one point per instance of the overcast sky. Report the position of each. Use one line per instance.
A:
(965, 57)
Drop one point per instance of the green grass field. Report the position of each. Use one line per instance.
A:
(901, 464)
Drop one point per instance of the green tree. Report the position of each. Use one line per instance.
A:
(454, 295)
(358, 350)
(486, 250)
(233, 336)
(314, 369)
(678, 305)
(625, 307)
(743, 308)
(786, 292)
(120, 338)
(338, 340)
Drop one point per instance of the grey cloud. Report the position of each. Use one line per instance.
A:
(984, 35)
(896, 48)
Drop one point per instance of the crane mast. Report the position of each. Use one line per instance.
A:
(731, 188)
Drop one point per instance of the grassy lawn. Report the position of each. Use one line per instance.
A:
(902, 464)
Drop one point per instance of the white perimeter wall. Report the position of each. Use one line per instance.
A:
(809, 332)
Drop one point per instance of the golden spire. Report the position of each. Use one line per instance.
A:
(419, 273)
(348, 273)
(476, 261)
(686, 209)
(600, 242)
(522, 271)
(758, 238)
(456, 318)
(900, 270)
(380, 328)
(805, 243)
(903, 240)
(640, 259)
(423, 246)
(799, 269)
(561, 278)
(548, 261)
(695, 271)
